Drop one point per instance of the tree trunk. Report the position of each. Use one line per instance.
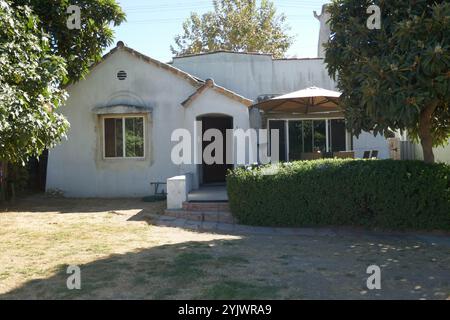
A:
(425, 127)
(3, 183)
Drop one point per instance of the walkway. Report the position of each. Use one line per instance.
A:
(236, 229)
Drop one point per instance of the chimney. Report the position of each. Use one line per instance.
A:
(325, 31)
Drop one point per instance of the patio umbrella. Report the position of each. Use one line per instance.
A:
(308, 101)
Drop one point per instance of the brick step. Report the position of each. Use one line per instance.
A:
(206, 206)
(207, 216)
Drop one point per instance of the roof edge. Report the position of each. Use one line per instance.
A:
(121, 46)
(210, 84)
(222, 51)
(242, 53)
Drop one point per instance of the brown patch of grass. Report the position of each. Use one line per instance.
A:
(40, 243)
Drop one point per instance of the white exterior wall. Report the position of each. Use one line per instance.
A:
(213, 103)
(77, 166)
(293, 75)
(368, 142)
(252, 75)
(245, 74)
(441, 154)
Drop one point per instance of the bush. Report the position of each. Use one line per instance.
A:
(376, 194)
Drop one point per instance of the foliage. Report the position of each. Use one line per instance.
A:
(80, 48)
(39, 54)
(15, 182)
(29, 87)
(369, 193)
(396, 77)
(19, 178)
(235, 25)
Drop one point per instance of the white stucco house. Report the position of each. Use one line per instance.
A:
(258, 76)
(123, 115)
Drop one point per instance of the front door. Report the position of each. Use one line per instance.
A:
(216, 173)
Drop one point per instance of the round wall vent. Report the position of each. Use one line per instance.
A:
(121, 75)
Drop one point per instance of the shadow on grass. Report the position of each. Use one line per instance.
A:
(182, 271)
(41, 203)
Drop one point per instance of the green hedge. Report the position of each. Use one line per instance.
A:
(369, 193)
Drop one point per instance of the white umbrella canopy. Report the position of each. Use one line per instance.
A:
(307, 101)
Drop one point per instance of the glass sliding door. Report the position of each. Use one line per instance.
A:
(296, 145)
(319, 136)
(306, 136)
(309, 136)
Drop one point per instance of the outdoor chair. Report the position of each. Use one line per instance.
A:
(328, 155)
(366, 155)
(374, 154)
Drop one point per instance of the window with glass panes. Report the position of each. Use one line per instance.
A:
(124, 137)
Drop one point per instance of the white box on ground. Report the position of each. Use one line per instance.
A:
(178, 189)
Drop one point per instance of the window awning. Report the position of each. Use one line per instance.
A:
(122, 109)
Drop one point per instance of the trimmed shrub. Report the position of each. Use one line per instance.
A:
(382, 194)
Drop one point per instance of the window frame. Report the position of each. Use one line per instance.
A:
(123, 117)
(287, 120)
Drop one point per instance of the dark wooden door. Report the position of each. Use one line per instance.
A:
(216, 173)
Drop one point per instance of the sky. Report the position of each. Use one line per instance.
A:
(152, 24)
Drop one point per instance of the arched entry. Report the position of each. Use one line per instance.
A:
(215, 173)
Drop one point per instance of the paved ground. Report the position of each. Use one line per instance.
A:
(218, 227)
(126, 250)
(209, 193)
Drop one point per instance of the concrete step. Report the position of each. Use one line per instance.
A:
(206, 206)
(207, 216)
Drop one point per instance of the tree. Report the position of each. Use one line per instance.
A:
(39, 55)
(79, 47)
(29, 88)
(396, 77)
(235, 25)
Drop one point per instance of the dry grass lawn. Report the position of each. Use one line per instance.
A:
(123, 256)
(39, 244)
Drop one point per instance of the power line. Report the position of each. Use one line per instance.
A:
(296, 18)
(209, 5)
(202, 5)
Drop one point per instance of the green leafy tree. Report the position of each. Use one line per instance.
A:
(79, 47)
(29, 88)
(235, 25)
(396, 77)
(39, 55)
